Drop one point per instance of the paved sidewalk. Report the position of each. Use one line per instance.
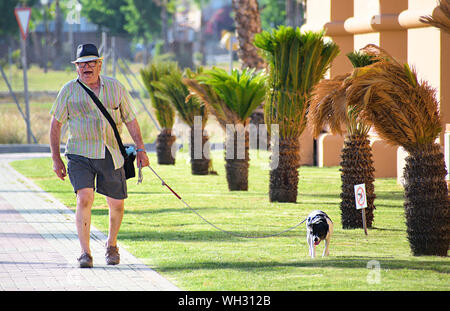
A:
(39, 244)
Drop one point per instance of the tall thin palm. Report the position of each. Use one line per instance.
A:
(329, 107)
(171, 88)
(232, 98)
(297, 61)
(165, 114)
(405, 112)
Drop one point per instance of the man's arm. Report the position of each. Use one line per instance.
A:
(55, 135)
(135, 132)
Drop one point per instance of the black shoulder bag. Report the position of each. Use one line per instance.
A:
(130, 171)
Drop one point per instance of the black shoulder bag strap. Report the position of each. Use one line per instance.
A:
(108, 117)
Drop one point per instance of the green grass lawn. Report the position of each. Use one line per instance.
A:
(168, 237)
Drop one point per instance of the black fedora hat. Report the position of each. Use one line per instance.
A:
(86, 53)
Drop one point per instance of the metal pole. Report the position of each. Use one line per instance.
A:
(113, 55)
(71, 40)
(139, 97)
(105, 53)
(363, 211)
(13, 95)
(25, 88)
(231, 53)
(45, 40)
(10, 63)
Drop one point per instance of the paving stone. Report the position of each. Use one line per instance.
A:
(39, 245)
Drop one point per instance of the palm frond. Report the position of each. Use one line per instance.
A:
(154, 72)
(206, 94)
(171, 88)
(240, 93)
(328, 105)
(297, 61)
(361, 59)
(403, 111)
(439, 19)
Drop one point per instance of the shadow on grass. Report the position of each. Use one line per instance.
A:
(196, 236)
(440, 266)
(102, 211)
(390, 195)
(387, 229)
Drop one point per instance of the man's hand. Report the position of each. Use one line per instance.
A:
(59, 168)
(135, 132)
(142, 159)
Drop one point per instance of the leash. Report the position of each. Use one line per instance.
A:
(140, 178)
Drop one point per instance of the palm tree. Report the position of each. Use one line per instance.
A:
(328, 106)
(232, 98)
(405, 113)
(297, 61)
(171, 88)
(439, 20)
(165, 114)
(248, 23)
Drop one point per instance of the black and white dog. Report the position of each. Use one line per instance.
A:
(318, 227)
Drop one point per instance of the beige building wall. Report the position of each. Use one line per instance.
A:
(393, 25)
(364, 10)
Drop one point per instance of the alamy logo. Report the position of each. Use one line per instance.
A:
(74, 12)
(236, 142)
(374, 275)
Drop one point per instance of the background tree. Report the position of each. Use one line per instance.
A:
(272, 13)
(8, 22)
(295, 11)
(202, 43)
(232, 98)
(165, 114)
(107, 14)
(171, 88)
(405, 113)
(297, 61)
(329, 107)
(143, 21)
(248, 23)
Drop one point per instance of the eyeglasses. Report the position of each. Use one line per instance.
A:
(90, 64)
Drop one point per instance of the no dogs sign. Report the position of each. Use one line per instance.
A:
(361, 202)
(360, 196)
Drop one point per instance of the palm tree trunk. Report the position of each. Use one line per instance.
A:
(248, 23)
(284, 178)
(164, 143)
(426, 202)
(236, 161)
(200, 166)
(357, 168)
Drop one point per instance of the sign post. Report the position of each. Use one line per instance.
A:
(361, 202)
(23, 15)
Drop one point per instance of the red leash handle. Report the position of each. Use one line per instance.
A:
(164, 183)
(176, 194)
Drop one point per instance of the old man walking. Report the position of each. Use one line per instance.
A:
(94, 158)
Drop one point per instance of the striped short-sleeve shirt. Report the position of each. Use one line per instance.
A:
(89, 131)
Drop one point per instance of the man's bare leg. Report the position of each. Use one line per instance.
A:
(116, 210)
(85, 199)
